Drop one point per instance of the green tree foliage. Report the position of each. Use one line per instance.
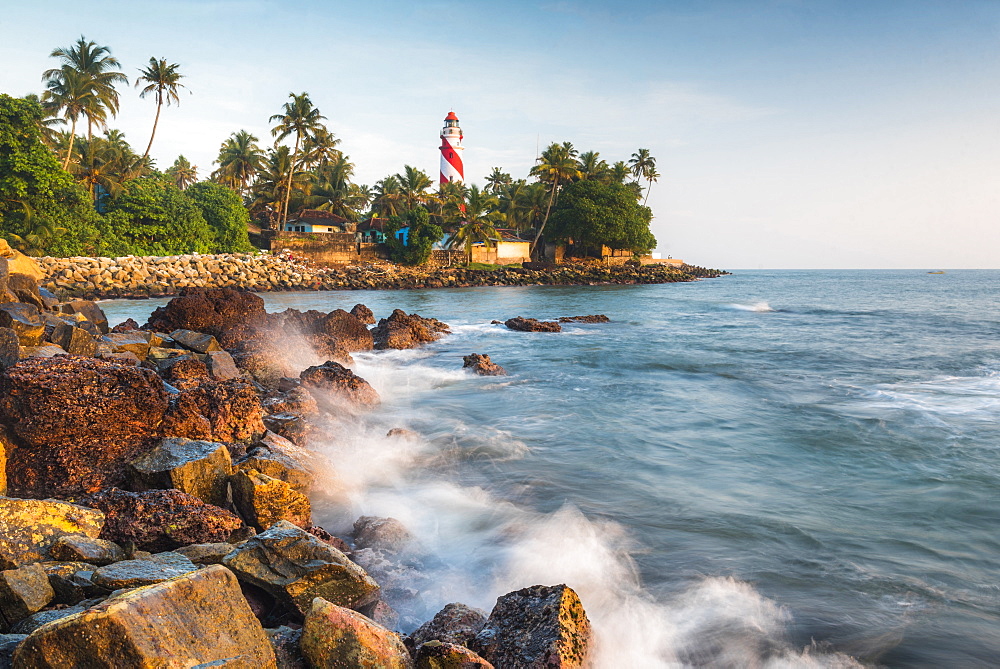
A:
(225, 214)
(422, 236)
(592, 214)
(37, 198)
(153, 217)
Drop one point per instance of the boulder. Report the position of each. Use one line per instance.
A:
(182, 371)
(289, 426)
(295, 400)
(532, 325)
(127, 325)
(199, 468)
(443, 655)
(228, 411)
(74, 548)
(208, 310)
(363, 314)
(137, 573)
(8, 644)
(160, 520)
(195, 341)
(284, 465)
(24, 320)
(89, 310)
(10, 348)
(135, 342)
(28, 625)
(23, 591)
(334, 636)
(43, 351)
(381, 613)
(78, 420)
(73, 582)
(481, 364)
(348, 330)
(73, 340)
(534, 628)
(221, 366)
(594, 318)
(402, 330)
(386, 534)
(29, 527)
(333, 380)
(263, 500)
(285, 642)
(197, 618)
(295, 567)
(455, 623)
(206, 553)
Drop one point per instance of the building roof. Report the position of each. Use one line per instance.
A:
(307, 215)
(373, 224)
(451, 116)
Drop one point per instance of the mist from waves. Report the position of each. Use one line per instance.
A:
(483, 545)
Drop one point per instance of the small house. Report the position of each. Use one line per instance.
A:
(317, 221)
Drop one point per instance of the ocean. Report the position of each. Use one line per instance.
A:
(769, 469)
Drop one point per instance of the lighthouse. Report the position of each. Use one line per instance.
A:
(451, 150)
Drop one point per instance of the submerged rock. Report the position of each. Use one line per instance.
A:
(481, 364)
(334, 636)
(387, 534)
(594, 318)
(532, 325)
(401, 330)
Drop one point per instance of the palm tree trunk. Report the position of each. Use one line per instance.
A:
(159, 106)
(647, 192)
(552, 197)
(69, 151)
(291, 171)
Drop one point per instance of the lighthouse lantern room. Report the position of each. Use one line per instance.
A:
(451, 150)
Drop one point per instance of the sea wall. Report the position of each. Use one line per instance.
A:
(157, 276)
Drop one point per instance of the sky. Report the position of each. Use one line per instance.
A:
(787, 133)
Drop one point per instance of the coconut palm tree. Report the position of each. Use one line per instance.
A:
(496, 181)
(239, 161)
(299, 118)
(448, 205)
(480, 217)
(182, 172)
(69, 92)
(591, 166)
(387, 197)
(643, 166)
(162, 80)
(320, 148)
(413, 184)
(619, 172)
(97, 65)
(99, 165)
(556, 165)
(653, 176)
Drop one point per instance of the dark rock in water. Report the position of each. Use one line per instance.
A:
(199, 468)
(183, 371)
(225, 411)
(211, 310)
(29, 527)
(496, 322)
(334, 636)
(25, 320)
(23, 591)
(80, 421)
(333, 379)
(10, 348)
(540, 626)
(296, 567)
(263, 500)
(401, 576)
(136, 573)
(386, 534)
(72, 548)
(88, 310)
(532, 325)
(197, 618)
(595, 318)
(285, 642)
(455, 623)
(159, 520)
(436, 654)
(128, 325)
(195, 341)
(481, 364)
(363, 314)
(402, 330)
(401, 433)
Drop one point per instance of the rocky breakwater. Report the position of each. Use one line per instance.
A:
(155, 508)
(159, 276)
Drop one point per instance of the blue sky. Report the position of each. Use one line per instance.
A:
(787, 133)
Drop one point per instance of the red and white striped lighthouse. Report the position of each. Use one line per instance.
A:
(451, 150)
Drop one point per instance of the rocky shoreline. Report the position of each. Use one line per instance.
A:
(155, 486)
(140, 277)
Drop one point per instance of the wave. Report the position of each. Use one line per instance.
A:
(757, 307)
(940, 400)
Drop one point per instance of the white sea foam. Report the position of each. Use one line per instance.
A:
(940, 401)
(759, 307)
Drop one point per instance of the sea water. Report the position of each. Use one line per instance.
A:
(770, 469)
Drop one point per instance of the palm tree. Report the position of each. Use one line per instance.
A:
(239, 161)
(448, 205)
(333, 191)
(387, 196)
(301, 119)
(643, 165)
(99, 165)
(182, 172)
(618, 172)
(591, 166)
(163, 81)
(556, 165)
(413, 184)
(97, 66)
(481, 213)
(71, 93)
(320, 148)
(653, 176)
(496, 181)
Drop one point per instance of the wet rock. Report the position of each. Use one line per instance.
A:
(348, 330)
(263, 500)
(363, 314)
(196, 618)
(159, 520)
(296, 400)
(594, 318)
(290, 426)
(401, 577)
(380, 612)
(212, 310)
(24, 320)
(135, 342)
(532, 325)
(8, 643)
(386, 534)
(98, 552)
(540, 626)
(328, 538)
(73, 582)
(402, 330)
(221, 366)
(455, 623)
(443, 655)
(481, 364)
(79, 421)
(195, 341)
(333, 380)
(295, 567)
(206, 553)
(183, 371)
(281, 459)
(334, 636)
(28, 527)
(23, 591)
(199, 468)
(10, 347)
(228, 411)
(401, 433)
(136, 573)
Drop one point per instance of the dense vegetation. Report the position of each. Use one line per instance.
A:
(63, 194)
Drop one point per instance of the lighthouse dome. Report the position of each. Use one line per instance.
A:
(451, 116)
